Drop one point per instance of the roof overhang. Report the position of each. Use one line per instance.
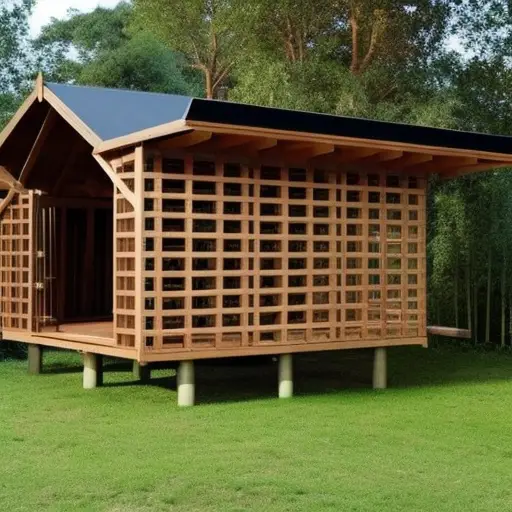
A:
(208, 137)
(215, 126)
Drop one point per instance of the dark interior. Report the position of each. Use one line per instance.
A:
(74, 226)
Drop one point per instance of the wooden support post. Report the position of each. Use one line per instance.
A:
(285, 376)
(35, 359)
(379, 369)
(91, 365)
(186, 384)
(141, 372)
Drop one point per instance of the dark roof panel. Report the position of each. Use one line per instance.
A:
(113, 113)
(308, 122)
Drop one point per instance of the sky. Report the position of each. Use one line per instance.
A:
(46, 9)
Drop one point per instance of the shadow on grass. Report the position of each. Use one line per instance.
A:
(255, 378)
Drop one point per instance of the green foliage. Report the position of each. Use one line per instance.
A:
(15, 65)
(102, 48)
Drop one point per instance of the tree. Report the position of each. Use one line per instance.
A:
(202, 30)
(101, 48)
(15, 65)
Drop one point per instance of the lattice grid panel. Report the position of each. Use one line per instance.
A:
(16, 263)
(238, 256)
(124, 258)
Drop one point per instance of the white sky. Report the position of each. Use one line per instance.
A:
(46, 9)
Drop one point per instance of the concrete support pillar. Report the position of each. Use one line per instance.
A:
(186, 384)
(141, 372)
(35, 359)
(380, 368)
(91, 368)
(285, 376)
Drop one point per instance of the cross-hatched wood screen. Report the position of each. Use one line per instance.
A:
(16, 263)
(240, 256)
(124, 258)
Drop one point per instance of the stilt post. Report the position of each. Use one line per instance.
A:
(379, 368)
(90, 371)
(186, 384)
(35, 359)
(285, 376)
(141, 372)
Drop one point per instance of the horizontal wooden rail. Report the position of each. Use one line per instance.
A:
(451, 332)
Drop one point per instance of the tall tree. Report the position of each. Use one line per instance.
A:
(15, 66)
(203, 30)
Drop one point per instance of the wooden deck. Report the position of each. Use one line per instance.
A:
(98, 333)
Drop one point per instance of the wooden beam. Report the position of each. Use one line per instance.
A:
(258, 145)
(350, 142)
(83, 129)
(7, 200)
(450, 332)
(383, 156)
(185, 141)
(311, 152)
(444, 163)
(9, 180)
(32, 98)
(222, 143)
(131, 139)
(116, 180)
(408, 160)
(40, 87)
(46, 128)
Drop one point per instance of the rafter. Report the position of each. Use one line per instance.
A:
(185, 141)
(116, 180)
(383, 156)
(257, 145)
(222, 143)
(440, 164)
(311, 152)
(408, 160)
(45, 130)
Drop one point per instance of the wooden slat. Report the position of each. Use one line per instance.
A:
(450, 332)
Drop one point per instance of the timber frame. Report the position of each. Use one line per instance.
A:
(229, 239)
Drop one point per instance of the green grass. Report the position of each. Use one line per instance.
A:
(439, 440)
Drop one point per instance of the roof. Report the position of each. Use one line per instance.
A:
(114, 113)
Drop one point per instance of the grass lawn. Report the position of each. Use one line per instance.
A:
(439, 440)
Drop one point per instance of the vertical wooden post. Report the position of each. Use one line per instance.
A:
(90, 377)
(35, 359)
(141, 372)
(285, 376)
(139, 244)
(379, 368)
(186, 384)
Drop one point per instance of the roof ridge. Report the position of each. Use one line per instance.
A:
(119, 89)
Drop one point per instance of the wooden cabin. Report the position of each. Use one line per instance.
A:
(156, 227)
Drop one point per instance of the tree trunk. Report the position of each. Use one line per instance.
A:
(475, 310)
(208, 84)
(503, 301)
(488, 301)
(468, 293)
(456, 291)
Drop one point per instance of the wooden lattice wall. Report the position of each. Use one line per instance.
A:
(125, 255)
(239, 256)
(16, 263)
